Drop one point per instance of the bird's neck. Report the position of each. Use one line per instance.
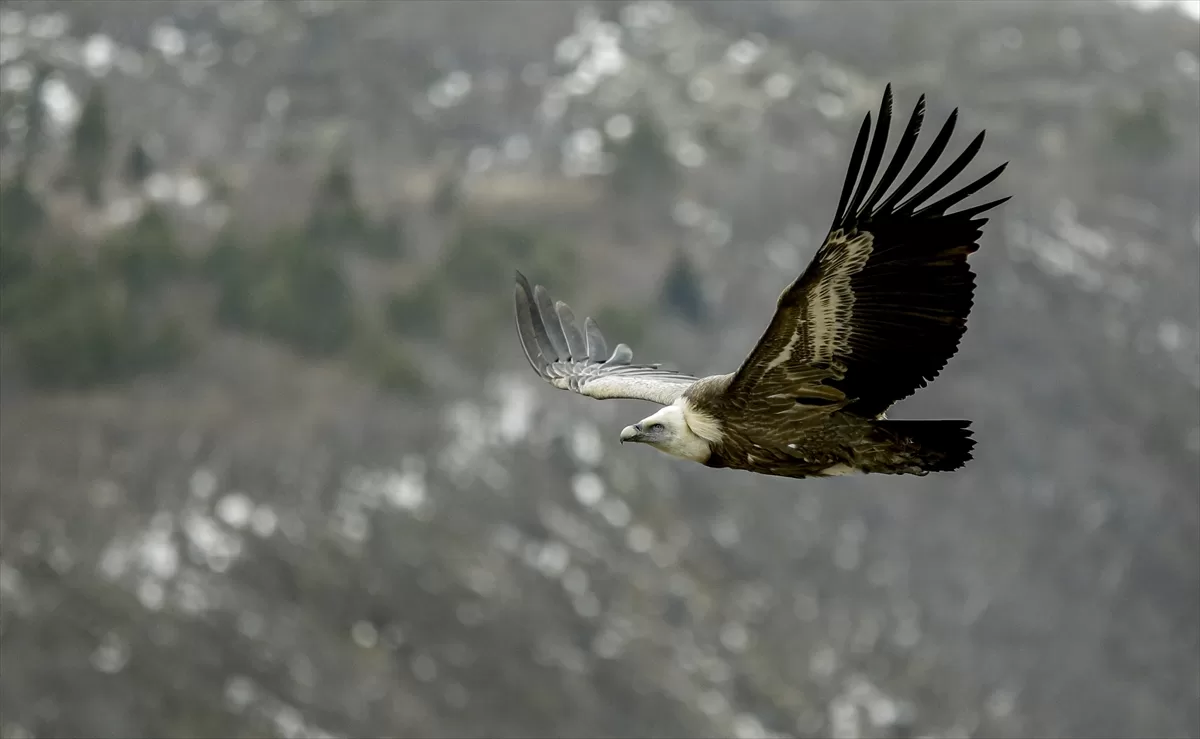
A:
(695, 439)
(686, 445)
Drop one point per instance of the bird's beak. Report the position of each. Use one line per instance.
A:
(630, 433)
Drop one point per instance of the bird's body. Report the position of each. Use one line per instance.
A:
(875, 316)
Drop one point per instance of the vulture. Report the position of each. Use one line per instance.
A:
(874, 316)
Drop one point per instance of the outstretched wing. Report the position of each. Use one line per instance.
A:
(884, 302)
(570, 359)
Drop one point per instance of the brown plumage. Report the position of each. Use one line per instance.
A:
(875, 316)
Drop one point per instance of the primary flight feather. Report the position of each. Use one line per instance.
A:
(876, 315)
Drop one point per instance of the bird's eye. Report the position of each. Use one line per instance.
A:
(655, 427)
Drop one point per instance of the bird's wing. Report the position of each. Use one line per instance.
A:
(882, 306)
(570, 359)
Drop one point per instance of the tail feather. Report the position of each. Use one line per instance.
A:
(918, 447)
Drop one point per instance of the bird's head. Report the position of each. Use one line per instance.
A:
(663, 430)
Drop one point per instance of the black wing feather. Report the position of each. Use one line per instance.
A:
(899, 157)
(912, 296)
(875, 156)
(954, 198)
(970, 213)
(884, 302)
(945, 178)
(860, 147)
(923, 166)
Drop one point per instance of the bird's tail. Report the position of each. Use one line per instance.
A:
(919, 447)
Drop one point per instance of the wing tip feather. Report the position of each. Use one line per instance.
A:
(589, 370)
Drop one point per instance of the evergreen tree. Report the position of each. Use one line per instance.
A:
(419, 312)
(21, 214)
(138, 165)
(289, 289)
(146, 253)
(1144, 133)
(35, 122)
(447, 194)
(303, 298)
(90, 146)
(681, 291)
(336, 215)
(643, 164)
(75, 326)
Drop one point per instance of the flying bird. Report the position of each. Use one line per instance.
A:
(875, 316)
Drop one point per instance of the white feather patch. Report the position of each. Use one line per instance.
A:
(702, 424)
(839, 470)
(786, 354)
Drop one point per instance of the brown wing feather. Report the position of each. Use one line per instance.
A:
(884, 302)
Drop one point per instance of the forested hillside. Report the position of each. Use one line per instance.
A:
(272, 464)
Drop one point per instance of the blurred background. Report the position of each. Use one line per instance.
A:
(273, 463)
